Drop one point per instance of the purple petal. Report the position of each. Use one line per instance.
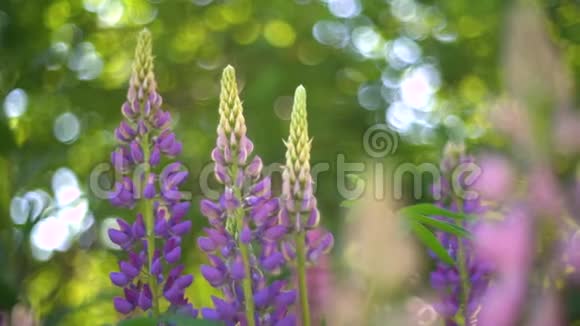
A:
(217, 236)
(173, 294)
(273, 261)
(128, 269)
(119, 279)
(161, 227)
(246, 235)
(286, 298)
(216, 156)
(128, 111)
(210, 209)
(313, 219)
(225, 310)
(149, 191)
(180, 209)
(181, 228)
(173, 255)
(275, 233)
(155, 156)
(229, 200)
(118, 237)
(175, 149)
(176, 179)
(156, 267)
(123, 306)
(237, 270)
(210, 314)
(221, 174)
(206, 244)
(255, 167)
(144, 301)
(139, 227)
(288, 251)
(166, 141)
(262, 297)
(212, 275)
(136, 152)
(261, 187)
(183, 281)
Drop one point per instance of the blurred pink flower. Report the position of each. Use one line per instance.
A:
(502, 303)
(497, 178)
(319, 280)
(508, 246)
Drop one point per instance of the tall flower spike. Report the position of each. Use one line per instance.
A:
(242, 243)
(299, 213)
(460, 287)
(153, 241)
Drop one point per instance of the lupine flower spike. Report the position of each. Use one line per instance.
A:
(242, 243)
(153, 242)
(299, 213)
(461, 286)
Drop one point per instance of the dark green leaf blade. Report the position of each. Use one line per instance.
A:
(427, 209)
(442, 225)
(139, 321)
(173, 319)
(430, 240)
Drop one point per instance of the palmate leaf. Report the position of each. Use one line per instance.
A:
(441, 225)
(139, 321)
(430, 240)
(171, 319)
(426, 209)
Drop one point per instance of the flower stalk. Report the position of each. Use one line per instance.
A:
(151, 272)
(300, 239)
(242, 243)
(299, 212)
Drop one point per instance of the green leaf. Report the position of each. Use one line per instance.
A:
(427, 209)
(174, 319)
(188, 321)
(348, 203)
(139, 321)
(441, 225)
(430, 240)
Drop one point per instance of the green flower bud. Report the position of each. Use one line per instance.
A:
(230, 107)
(298, 144)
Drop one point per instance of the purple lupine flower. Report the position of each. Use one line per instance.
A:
(153, 241)
(244, 217)
(319, 280)
(446, 279)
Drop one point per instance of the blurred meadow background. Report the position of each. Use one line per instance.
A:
(433, 71)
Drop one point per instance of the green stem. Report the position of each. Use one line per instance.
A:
(149, 225)
(300, 238)
(247, 285)
(369, 301)
(245, 252)
(463, 274)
